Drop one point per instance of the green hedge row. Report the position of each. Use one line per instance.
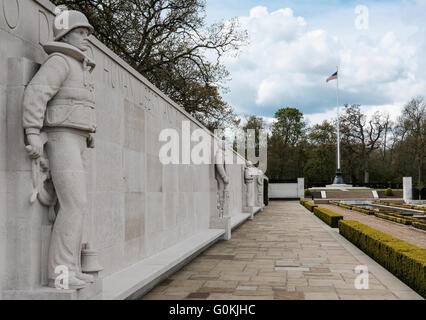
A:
(310, 206)
(419, 225)
(346, 206)
(406, 206)
(406, 261)
(399, 218)
(404, 216)
(372, 212)
(362, 210)
(393, 218)
(329, 217)
(354, 208)
(399, 213)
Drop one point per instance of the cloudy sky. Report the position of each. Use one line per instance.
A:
(295, 45)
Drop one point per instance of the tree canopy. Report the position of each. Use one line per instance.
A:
(375, 150)
(169, 42)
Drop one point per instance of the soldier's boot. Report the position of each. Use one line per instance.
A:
(85, 277)
(73, 283)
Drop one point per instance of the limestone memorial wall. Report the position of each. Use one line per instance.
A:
(287, 190)
(138, 206)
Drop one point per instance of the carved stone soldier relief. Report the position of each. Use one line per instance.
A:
(249, 181)
(59, 122)
(260, 188)
(222, 179)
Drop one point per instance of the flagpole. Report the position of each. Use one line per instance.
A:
(338, 121)
(338, 180)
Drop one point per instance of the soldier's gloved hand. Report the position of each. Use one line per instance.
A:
(35, 149)
(91, 141)
(225, 180)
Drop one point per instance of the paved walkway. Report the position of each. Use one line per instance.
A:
(400, 231)
(286, 253)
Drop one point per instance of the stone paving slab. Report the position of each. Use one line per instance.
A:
(285, 253)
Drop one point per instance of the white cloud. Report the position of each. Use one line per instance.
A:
(394, 111)
(283, 57)
(287, 62)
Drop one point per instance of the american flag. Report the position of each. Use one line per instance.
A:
(334, 76)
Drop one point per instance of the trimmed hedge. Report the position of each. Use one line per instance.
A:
(405, 260)
(329, 217)
(389, 192)
(346, 206)
(310, 206)
(393, 218)
(362, 210)
(406, 206)
(419, 225)
(302, 202)
(399, 218)
(399, 213)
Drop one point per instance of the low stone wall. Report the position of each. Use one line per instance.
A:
(287, 190)
(138, 206)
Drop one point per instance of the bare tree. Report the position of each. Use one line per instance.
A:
(413, 122)
(169, 42)
(365, 135)
(388, 126)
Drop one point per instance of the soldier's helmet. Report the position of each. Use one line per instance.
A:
(69, 20)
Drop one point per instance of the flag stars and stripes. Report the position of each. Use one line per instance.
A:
(333, 77)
